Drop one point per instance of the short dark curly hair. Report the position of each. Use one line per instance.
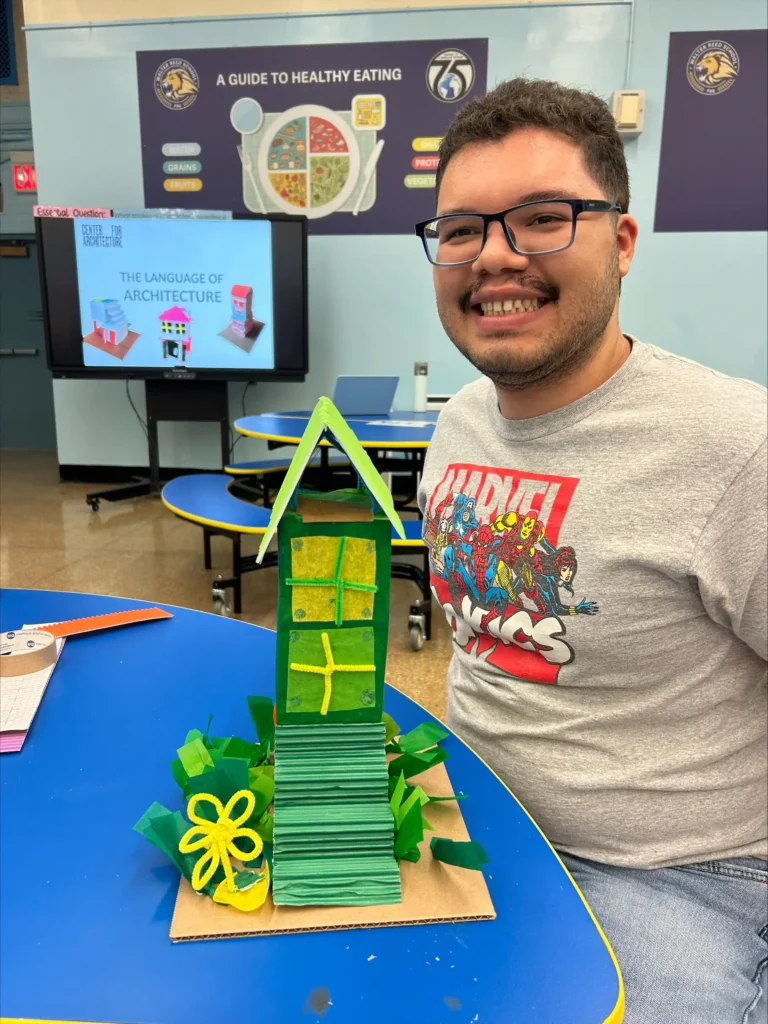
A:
(531, 103)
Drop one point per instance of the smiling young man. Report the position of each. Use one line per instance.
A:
(595, 510)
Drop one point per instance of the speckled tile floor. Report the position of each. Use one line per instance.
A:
(50, 539)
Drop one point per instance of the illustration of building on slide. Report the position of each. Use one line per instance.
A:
(111, 331)
(175, 333)
(242, 329)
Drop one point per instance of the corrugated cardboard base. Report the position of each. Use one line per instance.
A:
(432, 892)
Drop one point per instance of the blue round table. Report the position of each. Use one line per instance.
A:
(86, 903)
(378, 432)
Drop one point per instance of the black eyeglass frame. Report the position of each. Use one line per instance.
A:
(577, 206)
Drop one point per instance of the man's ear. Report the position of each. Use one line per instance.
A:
(626, 237)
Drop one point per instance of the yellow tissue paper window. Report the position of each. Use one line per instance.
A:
(336, 566)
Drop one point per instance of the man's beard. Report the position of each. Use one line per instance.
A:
(560, 353)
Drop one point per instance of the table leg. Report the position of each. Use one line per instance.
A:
(236, 574)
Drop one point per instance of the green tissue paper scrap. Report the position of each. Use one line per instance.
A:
(391, 728)
(423, 736)
(194, 756)
(164, 829)
(265, 827)
(180, 776)
(397, 794)
(235, 747)
(410, 833)
(462, 855)
(263, 788)
(418, 796)
(216, 743)
(262, 713)
(225, 778)
(413, 764)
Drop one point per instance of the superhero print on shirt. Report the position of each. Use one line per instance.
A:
(505, 583)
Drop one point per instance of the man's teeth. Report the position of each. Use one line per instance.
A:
(509, 306)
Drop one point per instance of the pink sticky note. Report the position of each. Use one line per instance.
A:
(90, 212)
(51, 211)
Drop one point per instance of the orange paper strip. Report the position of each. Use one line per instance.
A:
(74, 627)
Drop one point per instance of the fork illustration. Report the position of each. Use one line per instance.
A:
(245, 160)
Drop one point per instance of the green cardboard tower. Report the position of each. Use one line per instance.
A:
(334, 828)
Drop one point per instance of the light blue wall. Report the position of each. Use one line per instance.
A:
(371, 302)
(700, 295)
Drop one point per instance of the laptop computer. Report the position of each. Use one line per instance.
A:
(365, 396)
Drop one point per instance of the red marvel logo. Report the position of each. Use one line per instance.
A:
(497, 570)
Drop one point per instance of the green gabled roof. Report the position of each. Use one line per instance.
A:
(326, 418)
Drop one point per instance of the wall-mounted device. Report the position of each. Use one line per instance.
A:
(629, 111)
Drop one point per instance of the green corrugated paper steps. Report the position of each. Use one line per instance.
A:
(354, 734)
(334, 829)
(328, 763)
(353, 881)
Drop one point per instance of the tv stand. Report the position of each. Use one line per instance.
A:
(174, 401)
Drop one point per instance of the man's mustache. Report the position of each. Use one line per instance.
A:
(549, 290)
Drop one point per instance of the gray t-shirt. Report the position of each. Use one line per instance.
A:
(603, 568)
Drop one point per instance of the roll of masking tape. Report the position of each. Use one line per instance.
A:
(26, 650)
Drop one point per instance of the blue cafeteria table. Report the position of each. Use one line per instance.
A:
(86, 903)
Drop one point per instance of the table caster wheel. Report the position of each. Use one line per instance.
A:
(94, 503)
(416, 637)
(221, 606)
(417, 627)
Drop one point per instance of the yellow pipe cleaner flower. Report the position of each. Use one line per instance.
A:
(218, 838)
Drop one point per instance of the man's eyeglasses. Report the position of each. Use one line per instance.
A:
(532, 229)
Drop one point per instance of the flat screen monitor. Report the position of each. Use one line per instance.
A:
(145, 296)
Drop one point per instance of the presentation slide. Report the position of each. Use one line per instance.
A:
(166, 292)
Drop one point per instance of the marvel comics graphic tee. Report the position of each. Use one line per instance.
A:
(603, 571)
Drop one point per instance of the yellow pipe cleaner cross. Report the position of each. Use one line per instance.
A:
(218, 838)
(327, 670)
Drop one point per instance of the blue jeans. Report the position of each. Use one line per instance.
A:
(692, 941)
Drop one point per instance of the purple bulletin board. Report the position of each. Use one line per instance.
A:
(714, 150)
(346, 134)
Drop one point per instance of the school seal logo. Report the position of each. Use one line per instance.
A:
(176, 84)
(713, 67)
